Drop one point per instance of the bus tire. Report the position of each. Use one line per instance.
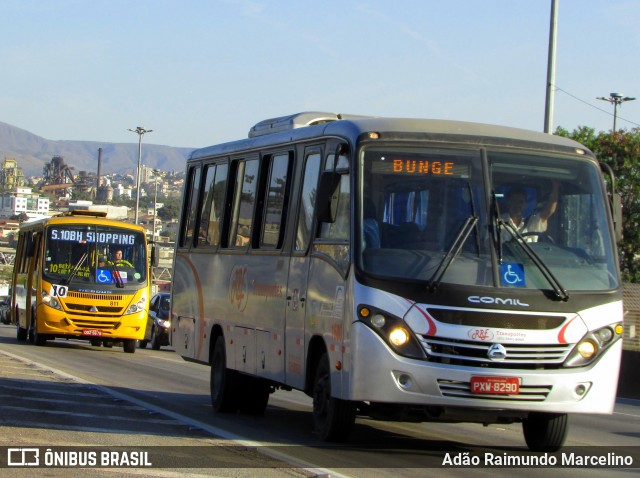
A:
(255, 396)
(129, 346)
(223, 382)
(155, 340)
(545, 431)
(21, 334)
(34, 337)
(333, 418)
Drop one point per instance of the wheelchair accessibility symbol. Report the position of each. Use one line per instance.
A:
(512, 275)
(103, 276)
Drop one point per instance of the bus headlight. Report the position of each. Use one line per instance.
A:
(393, 330)
(399, 336)
(51, 301)
(587, 349)
(136, 306)
(592, 345)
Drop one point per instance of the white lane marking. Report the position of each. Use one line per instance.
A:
(219, 432)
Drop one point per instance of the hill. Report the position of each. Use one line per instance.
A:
(32, 152)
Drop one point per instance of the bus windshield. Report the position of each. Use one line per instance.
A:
(426, 215)
(108, 256)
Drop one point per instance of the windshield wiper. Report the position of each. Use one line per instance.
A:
(454, 250)
(76, 268)
(498, 223)
(559, 290)
(470, 223)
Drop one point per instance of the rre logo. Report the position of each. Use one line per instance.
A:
(480, 334)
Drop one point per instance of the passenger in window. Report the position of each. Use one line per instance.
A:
(370, 226)
(531, 226)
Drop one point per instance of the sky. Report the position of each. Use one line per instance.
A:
(202, 72)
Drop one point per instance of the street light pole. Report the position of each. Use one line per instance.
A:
(155, 204)
(140, 131)
(616, 99)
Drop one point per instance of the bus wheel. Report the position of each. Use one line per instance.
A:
(255, 395)
(333, 418)
(34, 337)
(155, 340)
(223, 382)
(21, 334)
(129, 346)
(545, 431)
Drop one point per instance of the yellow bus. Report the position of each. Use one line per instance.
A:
(80, 275)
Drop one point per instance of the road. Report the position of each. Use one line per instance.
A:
(69, 393)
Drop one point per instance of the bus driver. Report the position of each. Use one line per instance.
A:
(536, 222)
(119, 261)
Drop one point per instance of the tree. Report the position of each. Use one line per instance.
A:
(22, 217)
(170, 209)
(621, 151)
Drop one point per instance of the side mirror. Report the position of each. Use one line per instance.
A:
(155, 259)
(616, 212)
(615, 201)
(327, 197)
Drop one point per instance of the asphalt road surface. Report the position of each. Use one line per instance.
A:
(69, 396)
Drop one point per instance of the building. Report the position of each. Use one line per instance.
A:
(11, 175)
(23, 200)
(120, 191)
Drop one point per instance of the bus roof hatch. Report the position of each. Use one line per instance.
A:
(298, 120)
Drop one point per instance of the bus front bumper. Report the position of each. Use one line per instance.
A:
(379, 375)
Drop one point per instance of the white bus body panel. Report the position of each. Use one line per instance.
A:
(377, 369)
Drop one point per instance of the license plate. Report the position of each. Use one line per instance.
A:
(495, 385)
(92, 332)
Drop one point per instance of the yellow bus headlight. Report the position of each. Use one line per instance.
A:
(51, 301)
(137, 306)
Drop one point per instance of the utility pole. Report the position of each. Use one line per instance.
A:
(140, 131)
(616, 99)
(551, 69)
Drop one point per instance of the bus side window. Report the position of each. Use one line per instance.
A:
(192, 195)
(307, 201)
(213, 206)
(243, 203)
(207, 195)
(340, 228)
(276, 201)
(217, 207)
